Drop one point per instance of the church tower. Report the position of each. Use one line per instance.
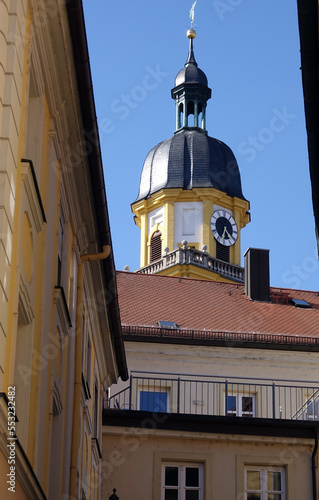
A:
(190, 207)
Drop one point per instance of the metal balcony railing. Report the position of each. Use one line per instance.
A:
(213, 395)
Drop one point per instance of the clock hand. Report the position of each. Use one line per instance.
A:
(227, 233)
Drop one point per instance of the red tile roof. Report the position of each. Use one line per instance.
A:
(144, 299)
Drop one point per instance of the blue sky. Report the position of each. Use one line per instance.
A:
(250, 53)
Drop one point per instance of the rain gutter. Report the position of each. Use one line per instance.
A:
(309, 53)
(85, 87)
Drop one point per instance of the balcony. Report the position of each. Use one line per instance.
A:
(198, 258)
(218, 396)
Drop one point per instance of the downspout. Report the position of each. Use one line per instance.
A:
(76, 420)
(313, 461)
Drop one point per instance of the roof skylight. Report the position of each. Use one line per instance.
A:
(167, 324)
(300, 303)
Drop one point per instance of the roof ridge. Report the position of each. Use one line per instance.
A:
(197, 280)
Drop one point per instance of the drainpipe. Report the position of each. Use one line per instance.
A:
(313, 461)
(76, 422)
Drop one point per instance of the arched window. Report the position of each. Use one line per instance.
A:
(200, 115)
(180, 122)
(156, 246)
(190, 111)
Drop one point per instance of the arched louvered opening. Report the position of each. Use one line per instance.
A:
(200, 115)
(222, 252)
(180, 116)
(156, 246)
(190, 108)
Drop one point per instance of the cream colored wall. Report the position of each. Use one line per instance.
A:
(248, 372)
(12, 32)
(40, 120)
(222, 361)
(132, 461)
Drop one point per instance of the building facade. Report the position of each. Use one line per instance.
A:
(223, 396)
(60, 337)
(223, 387)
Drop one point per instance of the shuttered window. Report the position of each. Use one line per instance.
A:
(222, 252)
(156, 246)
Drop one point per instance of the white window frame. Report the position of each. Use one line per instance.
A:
(239, 406)
(181, 488)
(264, 492)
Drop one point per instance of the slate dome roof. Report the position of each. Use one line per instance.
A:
(190, 159)
(191, 74)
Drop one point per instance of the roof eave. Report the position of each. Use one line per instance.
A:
(85, 88)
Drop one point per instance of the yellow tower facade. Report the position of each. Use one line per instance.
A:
(190, 207)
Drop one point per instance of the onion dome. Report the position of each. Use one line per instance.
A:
(190, 159)
(191, 72)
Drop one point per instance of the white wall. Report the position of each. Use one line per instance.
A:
(188, 223)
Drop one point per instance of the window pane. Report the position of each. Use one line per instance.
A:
(274, 481)
(153, 401)
(231, 405)
(192, 495)
(171, 494)
(247, 406)
(276, 496)
(171, 476)
(253, 496)
(192, 476)
(253, 480)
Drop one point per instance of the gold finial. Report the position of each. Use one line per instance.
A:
(191, 33)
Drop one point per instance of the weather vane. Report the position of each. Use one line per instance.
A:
(192, 14)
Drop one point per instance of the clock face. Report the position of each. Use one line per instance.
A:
(224, 227)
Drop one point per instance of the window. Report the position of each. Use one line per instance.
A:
(182, 481)
(156, 246)
(60, 250)
(88, 363)
(23, 365)
(222, 252)
(264, 483)
(311, 408)
(95, 409)
(241, 406)
(153, 401)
